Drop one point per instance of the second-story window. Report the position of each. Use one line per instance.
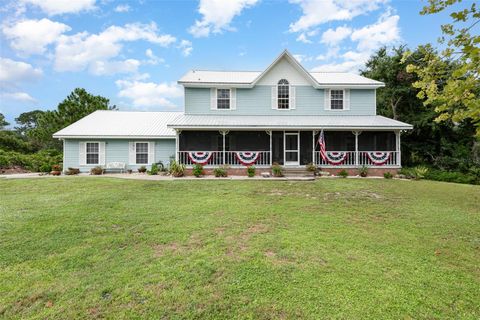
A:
(283, 94)
(223, 98)
(336, 99)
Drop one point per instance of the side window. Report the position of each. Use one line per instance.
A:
(223, 98)
(283, 97)
(92, 152)
(141, 152)
(336, 99)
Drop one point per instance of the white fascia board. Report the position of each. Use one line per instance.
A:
(215, 84)
(292, 127)
(350, 86)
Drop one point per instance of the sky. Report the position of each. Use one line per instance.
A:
(133, 52)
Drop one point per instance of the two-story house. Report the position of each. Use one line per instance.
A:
(242, 118)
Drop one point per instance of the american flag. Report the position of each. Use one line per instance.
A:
(321, 142)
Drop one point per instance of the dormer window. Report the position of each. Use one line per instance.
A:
(336, 99)
(223, 99)
(283, 94)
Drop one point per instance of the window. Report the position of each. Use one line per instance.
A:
(92, 152)
(141, 150)
(336, 99)
(283, 94)
(223, 98)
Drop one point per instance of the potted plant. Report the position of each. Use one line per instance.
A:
(277, 170)
(197, 170)
(142, 169)
(221, 172)
(251, 171)
(96, 171)
(363, 171)
(311, 167)
(56, 170)
(343, 173)
(176, 169)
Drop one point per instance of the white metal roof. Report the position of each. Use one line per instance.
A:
(249, 78)
(185, 121)
(121, 124)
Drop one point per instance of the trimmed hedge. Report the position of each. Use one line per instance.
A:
(39, 161)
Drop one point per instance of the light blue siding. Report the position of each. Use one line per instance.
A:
(257, 101)
(116, 150)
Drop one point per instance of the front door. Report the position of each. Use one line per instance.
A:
(292, 143)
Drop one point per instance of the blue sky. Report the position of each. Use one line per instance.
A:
(132, 52)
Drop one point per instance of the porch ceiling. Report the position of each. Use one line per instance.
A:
(345, 122)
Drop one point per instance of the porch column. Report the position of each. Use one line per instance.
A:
(223, 133)
(177, 144)
(357, 158)
(269, 132)
(314, 132)
(398, 147)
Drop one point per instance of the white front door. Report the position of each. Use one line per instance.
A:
(292, 148)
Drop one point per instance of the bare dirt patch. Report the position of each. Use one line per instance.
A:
(13, 170)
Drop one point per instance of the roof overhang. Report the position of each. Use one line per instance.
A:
(110, 137)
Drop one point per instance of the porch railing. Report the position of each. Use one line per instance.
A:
(358, 158)
(217, 158)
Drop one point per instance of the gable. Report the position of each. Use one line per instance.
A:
(283, 69)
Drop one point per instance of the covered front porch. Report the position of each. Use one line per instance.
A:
(296, 148)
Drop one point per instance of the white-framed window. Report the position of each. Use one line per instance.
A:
(92, 152)
(283, 94)
(141, 152)
(223, 99)
(337, 99)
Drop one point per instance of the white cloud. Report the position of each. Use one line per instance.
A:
(17, 96)
(82, 50)
(152, 58)
(332, 37)
(100, 68)
(33, 36)
(302, 58)
(12, 72)
(217, 15)
(149, 94)
(384, 31)
(186, 47)
(317, 12)
(304, 36)
(122, 8)
(369, 38)
(54, 7)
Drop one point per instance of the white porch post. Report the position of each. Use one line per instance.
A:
(223, 133)
(314, 132)
(398, 148)
(271, 153)
(357, 158)
(177, 144)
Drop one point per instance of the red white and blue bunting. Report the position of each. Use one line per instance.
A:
(335, 158)
(378, 158)
(247, 158)
(200, 157)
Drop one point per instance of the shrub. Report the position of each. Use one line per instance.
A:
(388, 175)
(96, 171)
(197, 170)
(363, 171)
(176, 169)
(419, 172)
(142, 169)
(153, 170)
(251, 171)
(453, 176)
(221, 171)
(311, 167)
(72, 171)
(277, 170)
(31, 162)
(45, 168)
(343, 173)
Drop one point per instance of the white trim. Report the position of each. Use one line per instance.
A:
(249, 86)
(296, 127)
(115, 137)
(328, 99)
(148, 152)
(214, 98)
(85, 154)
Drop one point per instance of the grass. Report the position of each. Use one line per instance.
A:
(334, 248)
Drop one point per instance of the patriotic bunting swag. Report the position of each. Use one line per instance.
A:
(247, 158)
(335, 158)
(200, 157)
(378, 158)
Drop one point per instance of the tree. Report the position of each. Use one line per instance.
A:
(3, 122)
(76, 106)
(27, 121)
(450, 80)
(390, 69)
(445, 145)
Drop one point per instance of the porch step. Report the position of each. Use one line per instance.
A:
(296, 172)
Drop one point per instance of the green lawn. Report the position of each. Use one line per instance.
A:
(333, 248)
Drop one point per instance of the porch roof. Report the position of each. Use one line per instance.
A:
(346, 122)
